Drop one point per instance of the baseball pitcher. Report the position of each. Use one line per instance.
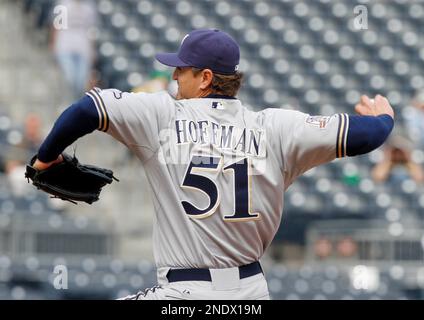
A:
(217, 170)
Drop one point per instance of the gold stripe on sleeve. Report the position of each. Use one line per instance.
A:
(340, 136)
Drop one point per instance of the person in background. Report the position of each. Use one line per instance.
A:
(415, 120)
(397, 164)
(158, 81)
(32, 135)
(17, 154)
(73, 48)
(15, 170)
(323, 248)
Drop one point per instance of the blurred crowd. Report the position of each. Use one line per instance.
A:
(72, 44)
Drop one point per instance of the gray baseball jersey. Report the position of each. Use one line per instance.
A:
(217, 170)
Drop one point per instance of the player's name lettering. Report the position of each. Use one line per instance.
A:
(178, 310)
(244, 140)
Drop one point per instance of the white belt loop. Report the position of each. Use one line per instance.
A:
(225, 279)
(161, 275)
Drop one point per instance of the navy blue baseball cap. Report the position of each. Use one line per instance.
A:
(205, 49)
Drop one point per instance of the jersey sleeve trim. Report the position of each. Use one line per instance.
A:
(101, 109)
(342, 135)
(366, 133)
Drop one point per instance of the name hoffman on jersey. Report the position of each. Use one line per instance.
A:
(225, 137)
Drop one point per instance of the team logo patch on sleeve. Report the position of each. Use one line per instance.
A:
(318, 121)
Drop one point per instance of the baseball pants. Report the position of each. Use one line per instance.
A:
(244, 283)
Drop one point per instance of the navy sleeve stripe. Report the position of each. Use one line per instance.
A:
(342, 135)
(100, 105)
(367, 133)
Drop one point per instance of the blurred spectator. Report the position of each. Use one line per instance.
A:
(350, 175)
(346, 247)
(15, 172)
(18, 152)
(32, 136)
(20, 146)
(71, 44)
(323, 248)
(158, 81)
(415, 120)
(397, 164)
(5, 124)
(23, 143)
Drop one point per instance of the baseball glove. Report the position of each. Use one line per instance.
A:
(70, 180)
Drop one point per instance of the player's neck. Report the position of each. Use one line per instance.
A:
(204, 93)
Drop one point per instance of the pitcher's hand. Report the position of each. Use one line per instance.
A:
(374, 107)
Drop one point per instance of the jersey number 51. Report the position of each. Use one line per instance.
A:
(194, 180)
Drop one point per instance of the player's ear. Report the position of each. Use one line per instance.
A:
(207, 76)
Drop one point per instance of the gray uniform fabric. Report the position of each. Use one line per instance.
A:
(217, 170)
